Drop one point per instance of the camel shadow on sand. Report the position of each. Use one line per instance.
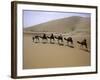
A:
(86, 50)
(44, 42)
(52, 43)
(61, 44)
(70, 46)
(36, 42)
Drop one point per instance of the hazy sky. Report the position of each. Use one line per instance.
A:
(36, 17)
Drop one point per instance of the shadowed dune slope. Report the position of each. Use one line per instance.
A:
(62, 25)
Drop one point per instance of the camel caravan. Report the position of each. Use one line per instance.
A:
(57, 39)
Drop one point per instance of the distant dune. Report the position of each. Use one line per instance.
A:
(64, 25)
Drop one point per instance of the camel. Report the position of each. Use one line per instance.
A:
(35, 38)
(44, 38)
(83, 43)
(52, 38)
(59, 38)
(69, 39)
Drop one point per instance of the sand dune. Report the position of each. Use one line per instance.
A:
(63, 25)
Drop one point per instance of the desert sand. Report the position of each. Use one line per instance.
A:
(39, 55)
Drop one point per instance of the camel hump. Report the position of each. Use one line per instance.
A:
(70, 37)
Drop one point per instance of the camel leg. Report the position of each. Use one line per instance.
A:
(86, 45)
(37, 40)
(67, 43)
(58, 41)
(46, 40)
(53, 40)
(82, 46)
(72, 43)
(50, 40)
(33, 39)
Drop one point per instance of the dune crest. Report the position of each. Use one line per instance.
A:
(64, 25)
